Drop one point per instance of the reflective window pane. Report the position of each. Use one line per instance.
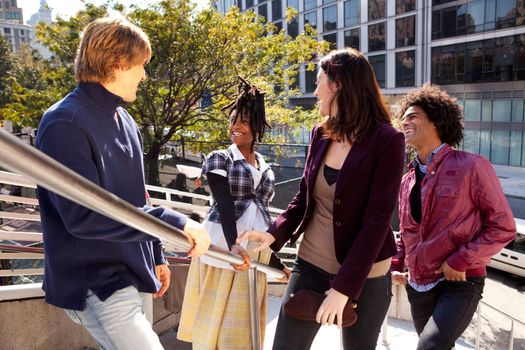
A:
(378, 64)
(293, 3)
(376, 9)
(263, 10)
(311, 19)
(310, 4)
(499, 147)
(293, 28)
(332, 39)
(517, 111)
(516, 139)
(351, 12)
(376, 37)
(486, 111)
(405, 68)
(405, 31)
(501, 111)
(310, 79)
(329, 18)
(352, 38)
(403, 6)
(472, 110)
(471, 141)
(484, 143)
(505, 13)
(249, 3)
(277, 10)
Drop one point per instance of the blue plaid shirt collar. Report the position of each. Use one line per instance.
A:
(237, 155)
(423, 167)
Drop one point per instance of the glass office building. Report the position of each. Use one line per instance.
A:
(474, 49)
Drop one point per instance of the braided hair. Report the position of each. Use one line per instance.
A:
(249, 102)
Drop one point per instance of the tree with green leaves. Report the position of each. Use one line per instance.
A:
(196, 55)
(6, 67)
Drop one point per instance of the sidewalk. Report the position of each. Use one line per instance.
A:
(512, 180)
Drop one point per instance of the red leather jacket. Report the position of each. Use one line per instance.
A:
(465, 217)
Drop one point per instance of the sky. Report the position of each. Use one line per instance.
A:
(68, 8)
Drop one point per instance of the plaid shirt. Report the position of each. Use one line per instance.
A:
(231, 163)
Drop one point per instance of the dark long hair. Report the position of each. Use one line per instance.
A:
(249, 102)
(360, 105)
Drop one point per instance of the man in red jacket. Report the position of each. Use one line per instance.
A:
(453, 218)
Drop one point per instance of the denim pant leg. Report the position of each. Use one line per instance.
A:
(455, 304)
(372, 308)
(118, 323)
(291, 333)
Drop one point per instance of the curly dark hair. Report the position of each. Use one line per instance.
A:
(359, 100)
(249, 102)
(441, 109)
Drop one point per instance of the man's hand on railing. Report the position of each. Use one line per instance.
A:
(198, 236)
(237, 249)
(163, 274)
(264, 238)
(399, 277)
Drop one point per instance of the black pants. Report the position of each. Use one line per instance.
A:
(371, 310)
(442, 314)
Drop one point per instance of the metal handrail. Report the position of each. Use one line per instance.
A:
(50, 174)
(513, 320)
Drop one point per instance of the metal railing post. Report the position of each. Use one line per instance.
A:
(255, 331)
(478, 327)
(511, 343)
(384, 332)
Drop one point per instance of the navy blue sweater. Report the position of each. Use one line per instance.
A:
(91, 134)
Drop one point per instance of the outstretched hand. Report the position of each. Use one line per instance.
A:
(163, 274)
(264, 238)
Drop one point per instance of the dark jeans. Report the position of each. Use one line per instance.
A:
(372, 307)
(444, 312)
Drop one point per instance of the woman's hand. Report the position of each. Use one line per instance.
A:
(198, 237)
(264, 238)
(332, 308)
(288, 274)
(237, 249)
(399, 278)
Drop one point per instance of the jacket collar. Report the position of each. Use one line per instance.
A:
(438, 157)
(100, 96)
(237, 155)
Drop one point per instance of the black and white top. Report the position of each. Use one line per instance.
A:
(252, 190)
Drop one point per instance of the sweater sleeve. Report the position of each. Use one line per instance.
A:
(220, 188)
(79, 220)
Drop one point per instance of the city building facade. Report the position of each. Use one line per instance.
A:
(42, 16)
(12, 24)
(474, 49)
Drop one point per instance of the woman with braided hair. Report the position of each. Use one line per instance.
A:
(215, 314)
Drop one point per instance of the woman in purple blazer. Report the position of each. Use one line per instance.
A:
(343, 207)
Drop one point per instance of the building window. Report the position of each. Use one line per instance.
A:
(378, 64)
(249, 3)
(352, 38)
(517, 111)
(472, 110)
(332, 39)
(293, 28)
(516, 139)
(294, 4)
(405, 31)
(326, 2)
(310, 4)
(471, 141)
(228, 4)
(406, 68)
(501, 110)
(329, 18)
(310, 80)
(263, 11)
(491, 60)
(376, 37)
(403, 6)
(7, 30)
(277, 10)
(13, 3)
(279, 26)
(376, 9)
(499, 147)
(351, 12)
(311, 19)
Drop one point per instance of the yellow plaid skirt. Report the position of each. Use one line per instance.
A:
(215, 310)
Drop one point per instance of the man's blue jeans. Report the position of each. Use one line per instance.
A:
(118, 322)
(442, 314)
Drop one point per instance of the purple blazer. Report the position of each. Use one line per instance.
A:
(365, 196)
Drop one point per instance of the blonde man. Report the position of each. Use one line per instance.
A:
(98, 270)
